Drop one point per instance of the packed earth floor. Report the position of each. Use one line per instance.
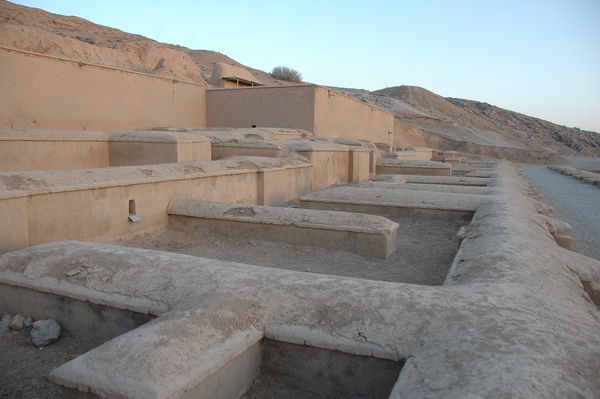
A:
(425, 251)
(25, 368)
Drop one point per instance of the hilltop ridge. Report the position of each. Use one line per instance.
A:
(424, 118)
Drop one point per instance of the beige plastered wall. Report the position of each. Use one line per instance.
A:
(279, 185)
(219, 151)
(99, 212)
(284, 107)
(45, 154)
(332, 166)
(325, 112)
(39, 91)
(53, 154)
(338, 115)
(408, 170)
(125, 153)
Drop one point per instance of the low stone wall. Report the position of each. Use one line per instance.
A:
(146, 148)
(254, 149)
(446, 180)
(393, 203)
(95, 321)
(335, 163)
(425, 168)
(583, 175)
(414, 154)
(96, 204)
(365, 235)
(31, 149)
(443, 188)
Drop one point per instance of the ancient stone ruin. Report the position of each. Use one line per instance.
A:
(314, 219)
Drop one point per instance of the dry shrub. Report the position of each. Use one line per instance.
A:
(287, 74)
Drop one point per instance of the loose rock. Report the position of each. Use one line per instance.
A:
(17, 322)
(28, 322)
(5, 322)
(45, 332)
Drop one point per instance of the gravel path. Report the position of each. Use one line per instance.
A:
(574, 202)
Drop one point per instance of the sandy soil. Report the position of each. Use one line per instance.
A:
(267, 388)
(25, 368)
(425, 252)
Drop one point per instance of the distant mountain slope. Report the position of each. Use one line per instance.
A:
(425, 110)
(479, 124)
(545, 133)
(74, 38)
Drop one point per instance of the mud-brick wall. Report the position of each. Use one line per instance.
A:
(325, 112)
(38, 91)
(338, 115)
(331, 166)
(285, 107)
(100, 211)
(95, 204)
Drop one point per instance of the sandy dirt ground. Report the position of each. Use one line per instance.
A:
(267, 388)
(425, 250)
(24, 367)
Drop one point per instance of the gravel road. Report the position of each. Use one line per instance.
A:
(574, 202)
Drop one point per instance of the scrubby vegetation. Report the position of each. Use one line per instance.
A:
(287, 74)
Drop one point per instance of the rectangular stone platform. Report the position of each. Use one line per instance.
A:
(365, 235)
(413, 153)
(31, 149)
(393, 203)
(254, 148)
(451, 180)
(444, 188)
(425, 168)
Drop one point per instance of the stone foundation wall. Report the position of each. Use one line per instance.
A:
(320, 110)
(41, 207)
(26, 149)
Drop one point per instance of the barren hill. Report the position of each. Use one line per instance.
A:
(547, 134)
(422, 117)
(74, 38)
(427, 119)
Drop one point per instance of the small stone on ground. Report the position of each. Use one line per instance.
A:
(45, 332)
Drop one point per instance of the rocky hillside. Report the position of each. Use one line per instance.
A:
(74, 38)
(547, 134)
(422, 117)
(425, 119)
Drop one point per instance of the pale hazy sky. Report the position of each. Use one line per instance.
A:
(537, 57)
